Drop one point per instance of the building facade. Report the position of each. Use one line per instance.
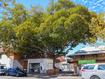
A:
(10, 61)
(82, 57)
(39, 65)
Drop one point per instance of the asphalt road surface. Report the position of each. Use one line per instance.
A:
(59, 77)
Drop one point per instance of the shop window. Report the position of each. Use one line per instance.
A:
(82, 57)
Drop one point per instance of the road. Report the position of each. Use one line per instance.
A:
(59, 77)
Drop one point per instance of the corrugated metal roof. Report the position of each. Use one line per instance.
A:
(89, 52)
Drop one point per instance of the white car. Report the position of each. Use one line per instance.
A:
(93, 71)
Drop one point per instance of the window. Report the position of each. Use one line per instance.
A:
(101, 67)
(89, 67)
(85, 67)
(82, 57)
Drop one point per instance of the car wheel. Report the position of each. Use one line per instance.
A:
(7, 74)
(17, 75)
(94, 77)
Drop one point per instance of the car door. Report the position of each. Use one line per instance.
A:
(87, 71)
(101, 71)
(12, 71)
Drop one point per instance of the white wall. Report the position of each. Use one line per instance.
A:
(5, 60)
(44, 63)
(9, 63)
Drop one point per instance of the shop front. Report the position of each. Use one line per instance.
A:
(39, 65)
(82, 62)
(80, 59)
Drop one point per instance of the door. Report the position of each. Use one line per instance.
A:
(87, 71)
(35, 68)
(101, 71)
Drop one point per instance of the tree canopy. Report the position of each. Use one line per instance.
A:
(35, 30)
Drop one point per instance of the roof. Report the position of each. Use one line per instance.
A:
(93, 48)
(96, 64)
(89, 49)
(90, 52)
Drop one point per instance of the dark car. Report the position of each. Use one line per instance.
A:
(2, 70)
(15, 72)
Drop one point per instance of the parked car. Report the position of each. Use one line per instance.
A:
(15, 72)
(93, 71)
(2, 69)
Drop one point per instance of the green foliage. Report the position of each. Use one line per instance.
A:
(18, 14)
(83, 11)
(97, 26)
(6, 31)
(34, 30)
(24, 36)
(61, 4)
(7, 35)
(77, 26)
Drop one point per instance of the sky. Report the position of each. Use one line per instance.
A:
(93, 5)
(29, 3)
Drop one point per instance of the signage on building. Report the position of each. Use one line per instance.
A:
(86, 61)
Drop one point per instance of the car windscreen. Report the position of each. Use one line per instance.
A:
(19, 70)
(89, 67)
(101, 67)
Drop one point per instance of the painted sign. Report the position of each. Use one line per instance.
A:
(86, 61)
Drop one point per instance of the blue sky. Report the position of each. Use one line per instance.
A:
(29, 3)
(93, 5)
